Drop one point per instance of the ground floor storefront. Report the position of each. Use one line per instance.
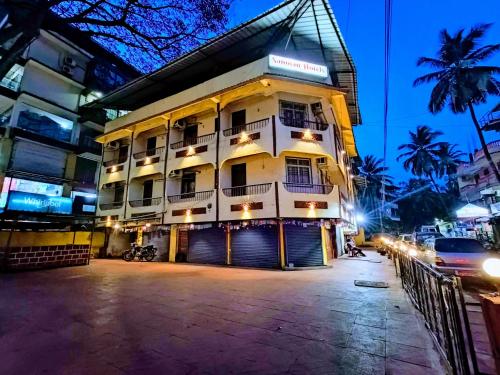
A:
(114, 317)
(272, 243)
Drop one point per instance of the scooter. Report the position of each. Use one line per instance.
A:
(146, 253)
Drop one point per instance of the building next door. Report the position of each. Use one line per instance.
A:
(303, 245)
(239, 179)
(207, 246)
(255, 247)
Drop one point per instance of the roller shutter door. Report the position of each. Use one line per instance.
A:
(303, 246)
(255, 247)
(207, 246)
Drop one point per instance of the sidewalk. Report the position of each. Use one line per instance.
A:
(131, 318)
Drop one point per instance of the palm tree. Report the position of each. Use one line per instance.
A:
(448, 159)
(461, 81)
(372, 172)
(420, 156)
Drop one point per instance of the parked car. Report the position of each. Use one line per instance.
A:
(419, 238)
(459, 256)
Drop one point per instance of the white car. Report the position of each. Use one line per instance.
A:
(459, 256)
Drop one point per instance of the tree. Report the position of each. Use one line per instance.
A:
(448, 159)
(461, 81)
(420, 157)
(146, 33)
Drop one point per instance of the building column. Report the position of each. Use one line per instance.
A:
(281, 242)
(172, 251)
(324, 233)
(228, 244)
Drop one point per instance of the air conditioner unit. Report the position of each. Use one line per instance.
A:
(112, 146)
(108, 186)
(180, 124)
(176, 173)
(69, 61)
(67, 70)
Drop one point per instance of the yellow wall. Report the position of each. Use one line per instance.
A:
(21, 239)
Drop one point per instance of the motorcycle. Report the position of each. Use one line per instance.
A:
(146, 253)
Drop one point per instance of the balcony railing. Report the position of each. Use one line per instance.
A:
(191, 197)
(148, 153)
(239, 191)
(192, 141)
(303, 124)
(259, 124)
(110, 206)
(307, 188)
(146, 202)
(116, 161)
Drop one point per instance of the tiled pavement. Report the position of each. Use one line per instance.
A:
(114, 317)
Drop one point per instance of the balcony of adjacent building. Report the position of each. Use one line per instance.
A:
(145, 196)
(148, 154)
(10, 84)
(248, 187)
(115, 161)
(491, 120)
(191, 196)
(111, 199)
(192, 141)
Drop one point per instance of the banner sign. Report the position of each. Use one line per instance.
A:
(298, 66)
(29, 202)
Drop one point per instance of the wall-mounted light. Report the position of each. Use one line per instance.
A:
(311, 205)
(116, 226)
(188, 212)
(351, 176)
(307, 135)
(342, 152)
(114, 168)
(246, 207)
(244, 138)
(148, 225)
(191, 151)
(147, 160)
(348, 168)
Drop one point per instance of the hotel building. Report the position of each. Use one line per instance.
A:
(238, 152)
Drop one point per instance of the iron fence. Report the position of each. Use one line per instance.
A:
(307, 188)
(192, 141)
(239, 191)
(148, 153)
(303, 124)
(110, 206)
(190, 197)
(440, 300)
(146, 202)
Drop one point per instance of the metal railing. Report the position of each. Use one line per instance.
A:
(307, 188)
(259, 124)
(110, 206)
(148, 153)
(440, 300)
(192, 141)
(239, 191)
(303, 124)
(190, 197)
(145, 202)
(112, 162)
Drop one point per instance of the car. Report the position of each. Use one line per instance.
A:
(459, 256)
(420, 237)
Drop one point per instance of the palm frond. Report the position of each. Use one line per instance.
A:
(426, 78)
(483, 53)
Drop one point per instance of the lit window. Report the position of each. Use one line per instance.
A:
(298, 171)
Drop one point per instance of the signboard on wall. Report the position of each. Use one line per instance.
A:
(29, 202)
(286, 63)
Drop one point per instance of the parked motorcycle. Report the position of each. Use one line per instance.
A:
(146, 253)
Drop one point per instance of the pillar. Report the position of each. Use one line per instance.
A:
(172, 243)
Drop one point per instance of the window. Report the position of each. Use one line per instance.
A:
(151, 146)
(486, 172)
(238, 118)
(119, 193)
(46, 124)
(188, 184)
(85, 170)
(293, 114)
(298, 171)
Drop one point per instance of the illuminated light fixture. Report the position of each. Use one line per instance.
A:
(244, 138)
(349, 206)
(360, 218)
(113, 168)
(246, 207)
(307, 135)
(342, 152)
(351, 175)
(312, 205)
(188, 212)
(412, 252)
(286, 63)
(148, 225)
(492, 267)
(116, 226)
(147, 160)
(191, 151)
(348, 168)
(143, 227)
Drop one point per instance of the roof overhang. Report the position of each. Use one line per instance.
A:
(305, 29)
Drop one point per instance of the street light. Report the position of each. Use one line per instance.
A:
(492, 267)
(360, 218)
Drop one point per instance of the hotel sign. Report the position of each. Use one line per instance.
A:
(29, 202)
(298, 66)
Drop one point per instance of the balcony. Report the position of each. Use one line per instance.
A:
(151, 153)
(191, 197)
(251, 126)
(239, 191)
(303, 124)
(114, 162)
(203, 139)
(110, 206)
(146, 202)
(148, 162)
(307, 188)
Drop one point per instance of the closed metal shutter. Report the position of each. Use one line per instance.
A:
(207, 246)
(36, 158)
(255, 247)
(303, 246)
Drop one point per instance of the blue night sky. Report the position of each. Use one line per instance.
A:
(414, 33)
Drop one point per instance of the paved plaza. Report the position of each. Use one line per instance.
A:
(114, 317)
